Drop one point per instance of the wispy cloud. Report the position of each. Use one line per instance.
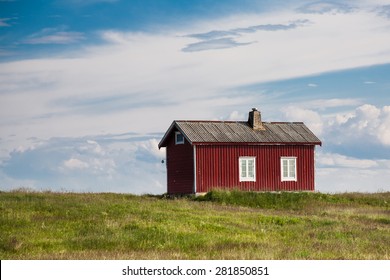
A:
(222, 39)
(5, 52)
(250, 29)
(273, 27)
(54, 36)
(221, 43)
(4, 22)
(324, 7)
(215, 34)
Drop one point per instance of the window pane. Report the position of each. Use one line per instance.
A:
(250, 168)
(292, 173)
(243, 168)
(292, 168)
(285, 168)
(179, 138)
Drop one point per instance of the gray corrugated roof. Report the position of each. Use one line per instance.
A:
(215, 132)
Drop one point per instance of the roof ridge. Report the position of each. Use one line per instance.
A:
(285, 122)
(211, 121)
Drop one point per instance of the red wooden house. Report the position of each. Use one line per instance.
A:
(252, 155)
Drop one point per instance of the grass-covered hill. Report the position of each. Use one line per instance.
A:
(220, 225)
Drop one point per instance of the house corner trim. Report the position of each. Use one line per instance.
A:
(194, 169)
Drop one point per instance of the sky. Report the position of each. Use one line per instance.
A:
(89, 87)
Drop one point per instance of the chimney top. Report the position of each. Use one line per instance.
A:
(254, 120)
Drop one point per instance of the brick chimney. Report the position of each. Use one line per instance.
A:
(254, 120)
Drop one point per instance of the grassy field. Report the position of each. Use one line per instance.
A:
(220, 225)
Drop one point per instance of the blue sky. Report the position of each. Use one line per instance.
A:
(87, 88)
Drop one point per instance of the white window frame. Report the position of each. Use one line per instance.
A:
(290, 175)
(246, 177)
(176, 141)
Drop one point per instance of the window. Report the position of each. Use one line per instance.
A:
(179, 138)
(247, 169)
(289, 168)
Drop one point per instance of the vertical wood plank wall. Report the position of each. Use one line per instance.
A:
(217, 167)
(180, 167)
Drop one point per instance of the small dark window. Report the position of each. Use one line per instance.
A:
(179, 138)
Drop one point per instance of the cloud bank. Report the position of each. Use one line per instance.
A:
(116, 163)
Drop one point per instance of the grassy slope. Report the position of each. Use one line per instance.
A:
(221, 225)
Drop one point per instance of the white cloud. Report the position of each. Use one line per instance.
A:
(93, 147)
(116, 37)
(366, 124)
(384, 126)
(153, 77)
(236, 116)
(54, 36)
(341, 161)
(339, 173)
(323, 104)
(123, 163)
(335, 180)
(75, 163)
(365, 115)
(311, 118)
(355, 155)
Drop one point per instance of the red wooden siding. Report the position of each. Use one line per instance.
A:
(217, 167)
(180, 167)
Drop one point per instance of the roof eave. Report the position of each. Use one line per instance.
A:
(165, 137)
(258, 143)
(168, 132)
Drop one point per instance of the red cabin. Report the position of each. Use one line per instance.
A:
(252, 155)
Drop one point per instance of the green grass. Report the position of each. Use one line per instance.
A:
(220, 225)
(293, 200)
